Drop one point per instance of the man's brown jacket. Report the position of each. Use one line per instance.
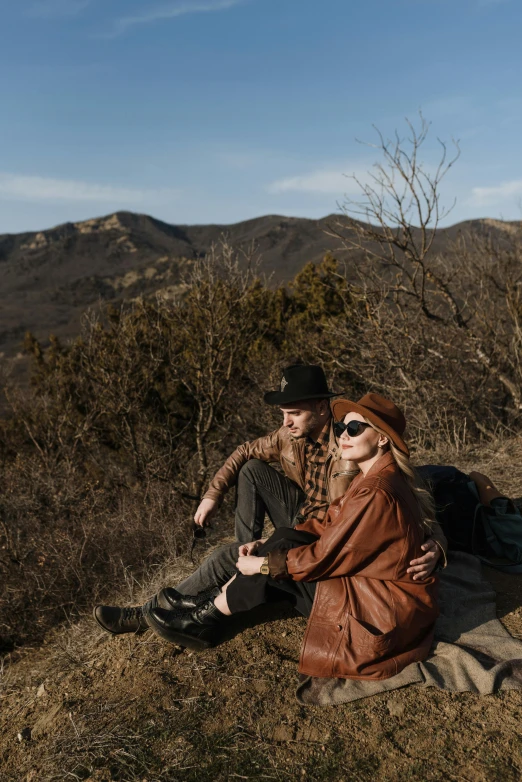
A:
(281, 447)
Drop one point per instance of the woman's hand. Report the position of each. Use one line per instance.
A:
(248, 549)
(249, 565)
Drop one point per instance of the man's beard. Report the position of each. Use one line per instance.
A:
(310, 426)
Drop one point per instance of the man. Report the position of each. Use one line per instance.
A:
(313, 475)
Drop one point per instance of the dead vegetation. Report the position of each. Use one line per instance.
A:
(89, 706)
(85, 705)
(103, 459)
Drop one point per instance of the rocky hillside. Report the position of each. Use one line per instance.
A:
(49, 278)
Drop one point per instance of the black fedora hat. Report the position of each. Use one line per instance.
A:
(300, 382)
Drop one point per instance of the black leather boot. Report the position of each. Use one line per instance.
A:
(170, 598)
(197, 629)
(120, 620)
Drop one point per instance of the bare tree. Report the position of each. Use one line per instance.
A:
(395, 222)
(436, 303)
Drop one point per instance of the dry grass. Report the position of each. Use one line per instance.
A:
(135, 708)
(499, 458)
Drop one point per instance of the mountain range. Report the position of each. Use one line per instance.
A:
(49, 278)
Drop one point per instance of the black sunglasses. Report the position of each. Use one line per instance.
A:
(198, 532)
(354, 428)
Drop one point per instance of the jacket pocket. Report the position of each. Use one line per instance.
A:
(365, 636)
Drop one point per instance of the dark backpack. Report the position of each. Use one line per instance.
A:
(491, 532)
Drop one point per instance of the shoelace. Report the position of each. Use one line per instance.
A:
(131, 614)
(203, 608)
(207, 594)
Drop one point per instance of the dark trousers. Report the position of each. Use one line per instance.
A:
(246, 592)
(263, 490)
(260, 490)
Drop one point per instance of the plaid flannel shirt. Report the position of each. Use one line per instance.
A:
(316, 502)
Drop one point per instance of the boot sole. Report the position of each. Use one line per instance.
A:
(176, 637)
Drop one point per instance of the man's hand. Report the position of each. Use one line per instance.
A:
(486, 488)
(479, 477)
(249, 549)
(425, 565)
(250, 565)
(206, 510)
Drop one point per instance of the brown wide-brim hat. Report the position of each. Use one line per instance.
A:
(379, 411)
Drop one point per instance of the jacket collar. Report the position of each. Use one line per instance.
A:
(382, 462)
(333, 446)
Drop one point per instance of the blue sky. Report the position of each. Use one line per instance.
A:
(199, 111)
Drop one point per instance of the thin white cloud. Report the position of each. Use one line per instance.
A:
(169, 11)
(326, 181)
(449, 105)
(43, 9)
(35, 188)
(241, 161)
(487, 196)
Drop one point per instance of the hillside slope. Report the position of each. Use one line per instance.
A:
(49, 278)
(89, 706)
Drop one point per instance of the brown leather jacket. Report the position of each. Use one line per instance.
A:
(280, 447)
(369, 618)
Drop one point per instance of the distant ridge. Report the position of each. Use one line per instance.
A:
(48, 278)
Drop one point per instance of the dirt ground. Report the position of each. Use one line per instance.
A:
(89, 706)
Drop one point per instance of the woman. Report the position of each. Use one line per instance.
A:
(368, 617)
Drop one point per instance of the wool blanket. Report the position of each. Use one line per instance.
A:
(472, 651)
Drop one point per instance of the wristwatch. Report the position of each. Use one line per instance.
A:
(264, 567)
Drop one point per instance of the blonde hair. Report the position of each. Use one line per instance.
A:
(418, 486)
